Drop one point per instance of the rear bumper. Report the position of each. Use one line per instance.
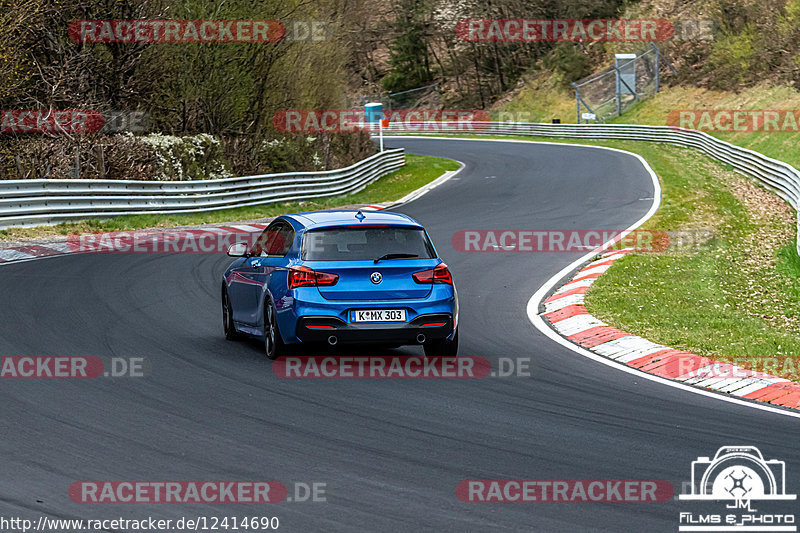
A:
(320, 328)
(305, 306)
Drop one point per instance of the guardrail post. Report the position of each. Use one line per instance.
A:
(658, 56)
(101, 162)
(76, 172)
(579, 101)
(21, 172)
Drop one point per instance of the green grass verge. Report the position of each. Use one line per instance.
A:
(736, 297)
(418, 171)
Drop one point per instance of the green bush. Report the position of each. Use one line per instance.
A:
(733, 57)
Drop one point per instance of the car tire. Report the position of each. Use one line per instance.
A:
(442, 347)
(227, 317)
(273, 344)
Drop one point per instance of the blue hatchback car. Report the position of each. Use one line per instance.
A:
(341, 276)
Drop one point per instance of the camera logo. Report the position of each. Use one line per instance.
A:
(738, 473)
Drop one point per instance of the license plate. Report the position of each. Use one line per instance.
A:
(379, 315)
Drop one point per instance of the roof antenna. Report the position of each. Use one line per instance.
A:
(360, 216)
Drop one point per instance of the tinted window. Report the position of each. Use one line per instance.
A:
(352, 244)
(275, 241)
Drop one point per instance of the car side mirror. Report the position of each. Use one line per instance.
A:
(238, 249)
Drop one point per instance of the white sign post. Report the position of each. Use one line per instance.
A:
(374, 113)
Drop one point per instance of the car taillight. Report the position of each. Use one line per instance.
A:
(301, 276)
(440, 274)
(326, 279)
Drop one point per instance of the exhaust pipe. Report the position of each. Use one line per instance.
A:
(332, 340)
(421, 338)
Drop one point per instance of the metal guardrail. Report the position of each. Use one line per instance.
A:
(50, 201)
(780, 177)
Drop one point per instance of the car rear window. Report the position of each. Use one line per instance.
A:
(362, 243)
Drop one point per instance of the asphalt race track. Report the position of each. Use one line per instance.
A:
(391, 452)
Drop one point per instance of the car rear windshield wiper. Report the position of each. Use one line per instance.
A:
(396, 256)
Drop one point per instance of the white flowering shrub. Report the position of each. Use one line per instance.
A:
(186, 158)
(174, 158)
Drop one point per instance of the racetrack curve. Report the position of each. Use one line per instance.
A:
(390, 451)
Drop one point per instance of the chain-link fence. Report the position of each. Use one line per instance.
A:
(427, 97)
(632, 78)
